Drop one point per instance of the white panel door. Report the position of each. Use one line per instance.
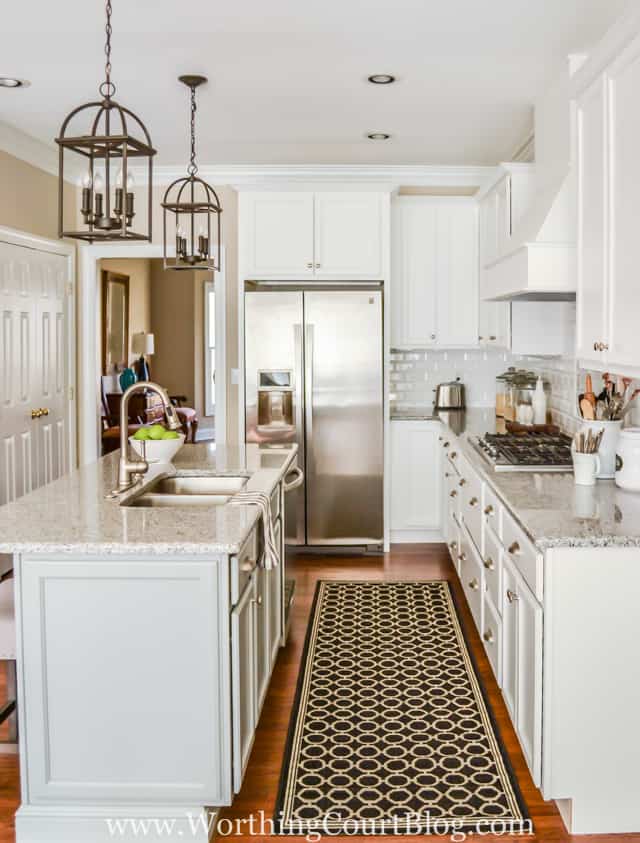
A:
(414, 274)
(457, 268)
(509, 637)
(592, 223)
(624, 168)
(278, 228)
(494, 318)
(529, 683)
(349, 230)
(416, 476)
(33, 369)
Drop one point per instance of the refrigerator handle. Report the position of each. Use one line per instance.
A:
(308, 383)
(298, 373)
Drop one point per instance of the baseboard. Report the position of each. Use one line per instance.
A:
(416, 536)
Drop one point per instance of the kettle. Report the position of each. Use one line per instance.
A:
(450, 396)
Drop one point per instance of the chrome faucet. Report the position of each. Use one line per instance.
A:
(129, 471)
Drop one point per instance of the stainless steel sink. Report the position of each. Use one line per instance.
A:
(188, 490)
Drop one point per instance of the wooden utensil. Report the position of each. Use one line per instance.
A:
(587, 410)
(589, 394)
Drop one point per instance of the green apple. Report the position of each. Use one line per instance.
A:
(170, 434)
(142, 433)
(156, 431)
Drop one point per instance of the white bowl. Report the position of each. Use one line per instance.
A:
(157, 450)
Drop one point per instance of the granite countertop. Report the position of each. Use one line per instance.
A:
(416, 413)
(550, 508)
(73, 515)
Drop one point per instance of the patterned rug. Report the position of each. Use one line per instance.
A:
(390, 731)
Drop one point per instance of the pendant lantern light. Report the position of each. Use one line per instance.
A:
(113, 136)
(195, 207)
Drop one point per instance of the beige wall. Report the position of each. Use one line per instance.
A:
(29, 198)
(139, 272)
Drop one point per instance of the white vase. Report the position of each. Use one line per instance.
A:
(608, 446)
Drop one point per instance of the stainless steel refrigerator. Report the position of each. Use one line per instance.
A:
(314, 376)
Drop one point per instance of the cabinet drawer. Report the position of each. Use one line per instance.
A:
(453, 493)
(244, 564)
(449, 446)
(492, 511)
(471, 504)
(453, 540)
(471, 576)
(492, 637)
(523, 554)
(492, 561)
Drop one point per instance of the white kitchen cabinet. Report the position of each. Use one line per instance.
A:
(263, 645)
(416, 481)
(322, 235)
(434, 273)
(608, 139)
(501, 210)
(274, 604)
(522, 664)
(494, 324)
(277, 234)
(349, 235)
(244, 668)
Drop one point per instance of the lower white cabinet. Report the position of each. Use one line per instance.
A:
(416, 481)
(244, 668)
(522, 665)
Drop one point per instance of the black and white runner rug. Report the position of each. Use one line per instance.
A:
(390, 731)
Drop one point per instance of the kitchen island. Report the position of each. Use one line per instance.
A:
(146, 637)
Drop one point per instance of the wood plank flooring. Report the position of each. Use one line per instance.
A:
(405, 562)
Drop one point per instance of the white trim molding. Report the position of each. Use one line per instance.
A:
(26, 148)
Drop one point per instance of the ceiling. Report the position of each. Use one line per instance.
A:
(288, 77)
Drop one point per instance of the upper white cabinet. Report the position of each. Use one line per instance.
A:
(608, 243)
(501, 210)
(323, 235)
(434, 273)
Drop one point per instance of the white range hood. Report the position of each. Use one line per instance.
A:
(539, 262)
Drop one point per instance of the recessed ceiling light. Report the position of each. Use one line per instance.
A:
(378, 136)
(381, 79)
(12, 82)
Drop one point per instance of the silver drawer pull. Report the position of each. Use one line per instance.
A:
(462, 557)
(474, 585)
(453, 455)
(488, 510)
(511, 596)
(248, 566)
(514, 548)
(473, 502)
(489, 564)
(452, 545)
(453, 494)
(462, 482)
(488, 636)
(258, 601)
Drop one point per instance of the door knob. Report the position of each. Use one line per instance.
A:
(35, 414)
(453, 493)
(514, 548)
(473, 502)
(488, 510)
(462, 482)
(488, 636)
(474, 585)
(44, 411)
(489, 564)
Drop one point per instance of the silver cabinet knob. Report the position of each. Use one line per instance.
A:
(453, 494)
(489, 564)
(452, 545)
(595, 346)
(514, 548)
(317, 266)
(445, 445)
(310, 266)
(473, 502)
(433, 336)
(512, 596)
(462, 482)
(605, 346)
(453, 455)
(488, 510)
(474, 585)
(488, 636)
(493, 339)
(462, 557)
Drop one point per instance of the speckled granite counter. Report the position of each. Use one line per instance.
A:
(551, 509)
(73, 515)
(417, 413)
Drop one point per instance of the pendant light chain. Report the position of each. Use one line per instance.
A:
(108, 89)
(193, 167)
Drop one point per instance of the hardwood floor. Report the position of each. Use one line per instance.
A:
(408, 562)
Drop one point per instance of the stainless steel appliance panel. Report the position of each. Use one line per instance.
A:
(274, 384)
(343, 417)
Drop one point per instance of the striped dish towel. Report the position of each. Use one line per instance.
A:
(270, 555)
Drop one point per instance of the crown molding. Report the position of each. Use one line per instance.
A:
(385, 176)
(26, 148)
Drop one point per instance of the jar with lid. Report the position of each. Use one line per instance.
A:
(502, 390)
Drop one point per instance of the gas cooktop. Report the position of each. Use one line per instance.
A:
(533, 451)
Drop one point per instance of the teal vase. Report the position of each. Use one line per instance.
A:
(127, 379)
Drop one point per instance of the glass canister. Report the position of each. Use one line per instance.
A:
(503, 383)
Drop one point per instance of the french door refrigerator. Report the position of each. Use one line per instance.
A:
(314, 376)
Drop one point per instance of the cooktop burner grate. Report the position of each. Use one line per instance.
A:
(534, 451)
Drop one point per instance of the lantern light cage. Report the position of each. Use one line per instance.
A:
(115, 135)
(195, 207)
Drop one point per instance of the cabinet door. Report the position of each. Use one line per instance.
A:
(624, 133)
(592, 222)
(275, 602)
(278, 234)
(504, 228)
(244, 679)
(509, 637)
(495, 324)
(413, 277)
(488, 229)
(529, 682)
(263, 649)
(457, 269)
(349, 232)
(416, 476)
